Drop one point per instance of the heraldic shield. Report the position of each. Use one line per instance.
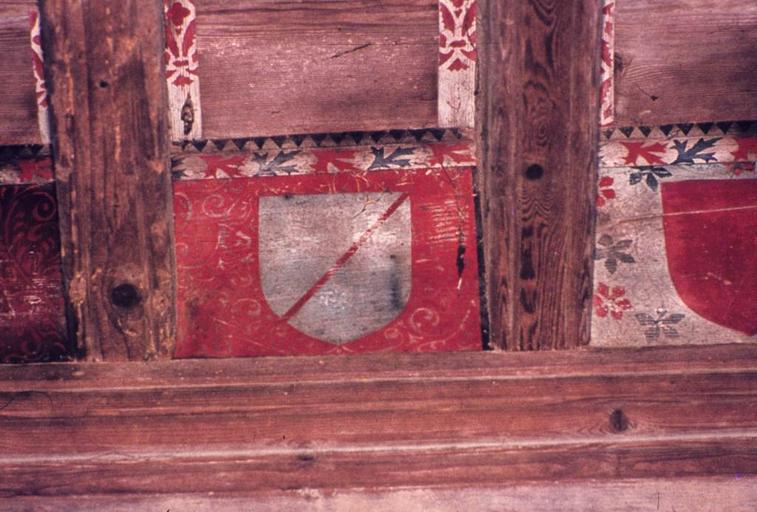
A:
(327, 264)
(711, 244)
(336, 266)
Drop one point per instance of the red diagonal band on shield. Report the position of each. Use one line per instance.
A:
(345, 257)
(711, 241)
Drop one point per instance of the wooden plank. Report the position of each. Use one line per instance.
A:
(113, 183)
(538, 111)
(685, 61)
(663, 361)
(266, 425)
(274, 67)
(689, 494)
(18, 108)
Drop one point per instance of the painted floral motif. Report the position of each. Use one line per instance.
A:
(746, 149)
(689, 144)
(180, 55)
(40, 89)
(606, 192)
(613, 252)
(649, 175)
(661, 323)
(610, 301)
(181, 68)
(457, 37)
(32, 319)
(650, 153)
(301, 155)
(607, 88)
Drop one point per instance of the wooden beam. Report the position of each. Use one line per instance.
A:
(670, 494)
(111, 146)
(323, 423)
(538, 137)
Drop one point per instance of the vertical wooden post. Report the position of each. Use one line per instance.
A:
(538, 134)
(109, 128)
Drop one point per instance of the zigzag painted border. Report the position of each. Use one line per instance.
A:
(671, 131)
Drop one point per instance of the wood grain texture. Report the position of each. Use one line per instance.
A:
(287, 424)
(108, 98)
(538, 112)
(274, 67)
(689, 494)
(685, 61)
(18, 108)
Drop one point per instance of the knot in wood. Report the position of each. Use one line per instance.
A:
(125, 296)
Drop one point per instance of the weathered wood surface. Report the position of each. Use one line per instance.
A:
(684, 61)
(107, 86)
(671, 494)
(539, 118)
(272, 67)
(463, 419)
(18, 107)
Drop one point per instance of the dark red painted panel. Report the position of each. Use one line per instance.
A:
(711, 244)
(32, 321)
(228, 298)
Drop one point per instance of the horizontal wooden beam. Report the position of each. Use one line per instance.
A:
(453, 419)
(682, 494)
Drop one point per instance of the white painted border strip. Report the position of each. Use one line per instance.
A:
(457, 63)
(181, 69)
(40, 89)
(607, 80)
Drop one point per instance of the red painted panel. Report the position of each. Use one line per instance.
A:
(32, 323)
(222, 308)
(711, 243)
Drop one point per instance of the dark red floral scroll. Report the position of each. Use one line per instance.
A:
(32, 322)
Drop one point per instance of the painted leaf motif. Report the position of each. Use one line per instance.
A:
(171, 43)
(231, 166)
(687, 155)
(470, 18)
(189, 38)
(458, 153)
(341, 159)
(276, 165)
(651, 154)
(747, 148)
(448, 20)
(394, 159)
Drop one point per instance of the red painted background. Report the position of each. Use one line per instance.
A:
(221, 308)
(711, 243)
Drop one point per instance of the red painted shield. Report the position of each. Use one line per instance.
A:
(711, 244)
(267, 267)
